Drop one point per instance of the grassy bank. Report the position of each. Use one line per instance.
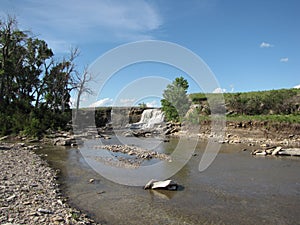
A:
(270, 118)
(278, 106)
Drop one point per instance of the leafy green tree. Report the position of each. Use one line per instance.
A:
(32, 82)
(175, 103)
(143, 105)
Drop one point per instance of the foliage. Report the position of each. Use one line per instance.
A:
(284, 101)
(271, 118)
(143, 105)
(175, 103)
(32, 82)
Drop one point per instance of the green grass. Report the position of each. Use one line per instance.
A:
(292, 119)
(270, 118)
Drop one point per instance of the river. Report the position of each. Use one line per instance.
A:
(237, 188)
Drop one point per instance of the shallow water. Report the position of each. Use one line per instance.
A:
(237, 188)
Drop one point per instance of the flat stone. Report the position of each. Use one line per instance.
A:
(290, 152)
(44, 211)
(276, 150)
(10, 198)
(166, 184)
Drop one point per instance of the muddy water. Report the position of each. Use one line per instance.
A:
(236, 189)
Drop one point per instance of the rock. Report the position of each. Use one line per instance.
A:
(57, 219)
(131, 152)
(264, 145)
(3, 138)
(259, 152)
(60, 202)
(27, 203)
(148, 134)
(10, 198)
(167, 184)
(91, 180)
(236, 141)
(290, 152)
(128, 134)
(33, 214)
(276, 150)
(106, 137)
(269, 151)
(5, 147)
(168, 131)
(21, 144)
(33, 140)
(44, 211)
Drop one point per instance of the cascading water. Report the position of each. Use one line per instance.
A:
(150, 119)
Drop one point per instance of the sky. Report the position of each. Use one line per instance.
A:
(248, 45)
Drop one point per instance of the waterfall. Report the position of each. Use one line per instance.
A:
(149, 119)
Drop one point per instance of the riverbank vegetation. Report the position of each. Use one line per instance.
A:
(274, 106)
(175, 102)
(34, 85)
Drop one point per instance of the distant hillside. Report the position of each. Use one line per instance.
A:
(283, 101)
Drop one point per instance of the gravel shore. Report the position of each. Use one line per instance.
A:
(29, 193)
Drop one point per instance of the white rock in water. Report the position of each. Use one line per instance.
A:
(91, 180)
(276, 150)
(290, 152)
(167, 184)
(261, 153)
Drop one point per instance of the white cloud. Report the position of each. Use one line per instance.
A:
(153, 104)
(297, 86)
(59, 46)
(76, 21)
(102, 102)
(266, 45)
(127, 101)
(285, 59)
(219, 90)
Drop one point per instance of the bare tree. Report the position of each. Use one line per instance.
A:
(82, 87)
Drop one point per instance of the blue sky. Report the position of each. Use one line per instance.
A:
(249, 45)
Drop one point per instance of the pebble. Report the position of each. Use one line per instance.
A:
(91, 180)
(10, 198)
(27, 184)
(45, 211)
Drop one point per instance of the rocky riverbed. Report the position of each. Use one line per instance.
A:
(130, 157)
(29, 192)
